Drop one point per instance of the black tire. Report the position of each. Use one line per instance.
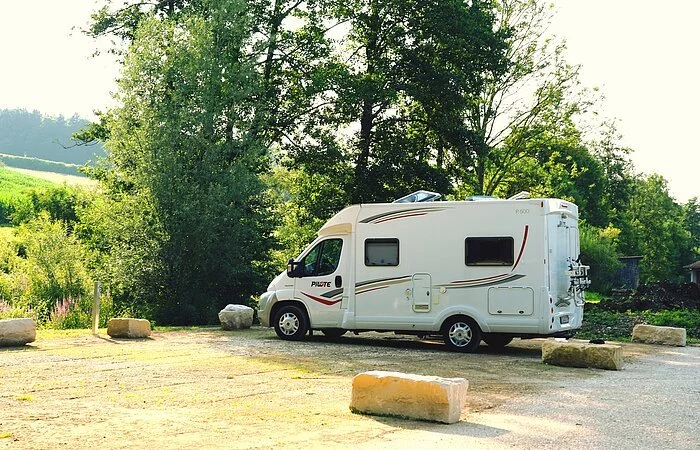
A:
(461, 334)
(291, 323)
(496, 340)
(333, 333)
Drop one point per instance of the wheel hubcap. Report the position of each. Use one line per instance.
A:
(460, 334)
(289, 324)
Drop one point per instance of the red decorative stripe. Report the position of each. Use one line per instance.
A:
(322, 300)
(522, 247)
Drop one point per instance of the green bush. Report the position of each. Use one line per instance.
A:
(599, 251)
(59, 202)
(73, 313)
(683, 318)
(41, 263)
(12, 311)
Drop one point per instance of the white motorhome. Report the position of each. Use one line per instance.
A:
(466, 271)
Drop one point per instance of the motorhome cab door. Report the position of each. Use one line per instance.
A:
(323, 280)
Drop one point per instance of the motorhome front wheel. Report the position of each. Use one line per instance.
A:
(291, 323)
(461, 334)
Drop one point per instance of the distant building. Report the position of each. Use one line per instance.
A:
(694, 272)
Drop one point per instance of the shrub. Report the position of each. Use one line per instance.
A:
(11, 311)
(42, 264)
(599, 251)
(683, 318)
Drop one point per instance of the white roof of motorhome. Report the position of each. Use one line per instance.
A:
(345, 221)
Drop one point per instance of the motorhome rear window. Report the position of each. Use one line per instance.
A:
(381, 252)
(489, 251)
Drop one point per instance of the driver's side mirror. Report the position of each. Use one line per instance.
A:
(294, 269)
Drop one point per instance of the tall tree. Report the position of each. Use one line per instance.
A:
(536, 91)
(183, 143)
(394, 87)
(657, 230)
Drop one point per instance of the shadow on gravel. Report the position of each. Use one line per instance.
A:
(461, 428)
(20, 348)
(516, 349)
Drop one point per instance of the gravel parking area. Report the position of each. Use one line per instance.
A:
(248, 389)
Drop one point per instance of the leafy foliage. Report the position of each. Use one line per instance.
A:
(42, 264)
(236, 112)
(15, 189)
(184, 229)
(657, 230)
(599, 251)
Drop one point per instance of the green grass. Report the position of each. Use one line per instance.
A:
(48, 333)
(594, 297)
(14, 189)
(16, 183)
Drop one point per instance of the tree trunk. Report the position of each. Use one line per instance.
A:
(359, 190)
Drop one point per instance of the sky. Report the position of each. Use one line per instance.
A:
(643, 56)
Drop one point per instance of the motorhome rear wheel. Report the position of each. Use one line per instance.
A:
(461, 334)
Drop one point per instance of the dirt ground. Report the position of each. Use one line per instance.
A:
(245, 389)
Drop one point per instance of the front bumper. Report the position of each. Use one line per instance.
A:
(268, 299)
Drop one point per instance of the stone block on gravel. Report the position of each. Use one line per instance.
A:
(235, 317)
(410, 396)
(16, 332)
(124, 327)
(650, 334)
(582, 354)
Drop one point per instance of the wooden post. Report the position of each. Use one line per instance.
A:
(96, 308)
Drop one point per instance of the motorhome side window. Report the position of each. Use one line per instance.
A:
(381, 252)
(323, 259)
(489, 251)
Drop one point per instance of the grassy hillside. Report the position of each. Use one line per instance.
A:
(15, 188)
(24, 162)
(56, 178)
(14, 183)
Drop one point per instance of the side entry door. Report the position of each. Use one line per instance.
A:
(421, 292)
(323, 281)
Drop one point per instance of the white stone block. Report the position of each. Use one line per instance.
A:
(15, 332)
(582, 354)
(650, 334)
(407, 395)
(124, 327)
(235, 317)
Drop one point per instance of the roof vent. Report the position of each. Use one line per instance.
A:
(419, 196)
(522, 195)
(480, 198)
